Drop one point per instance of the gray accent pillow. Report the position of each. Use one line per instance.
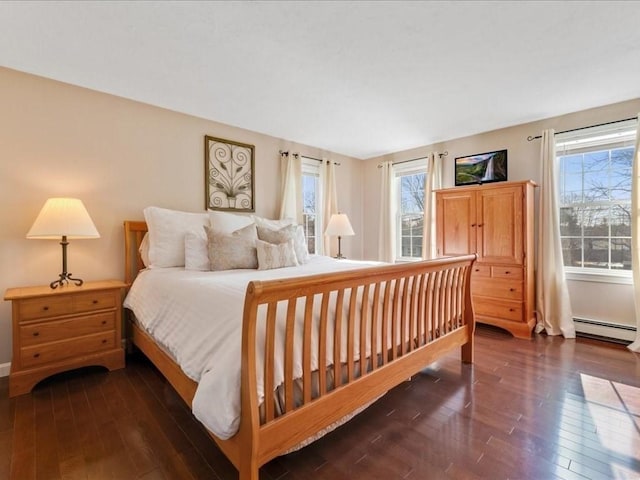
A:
(275, 255)
(284, 234)
(232, 251)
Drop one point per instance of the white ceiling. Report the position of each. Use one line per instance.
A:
(354, 77)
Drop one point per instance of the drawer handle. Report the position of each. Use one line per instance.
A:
(36, 355)
(473, 224)
(477, 269)
(512, 289)
(104, 322)
(95, 302)
(45, 308)
(507, 272)
(512, 309)
(35, 334)
(104, 341)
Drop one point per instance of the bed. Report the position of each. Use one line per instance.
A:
(315, 349)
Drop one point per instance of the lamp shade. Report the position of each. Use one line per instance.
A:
(63, 217)
(339, 225)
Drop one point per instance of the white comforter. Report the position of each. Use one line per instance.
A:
(197, 317)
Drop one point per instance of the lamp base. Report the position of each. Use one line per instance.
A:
(64, 279)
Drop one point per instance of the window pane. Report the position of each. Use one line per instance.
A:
(412, 193)
(621, 253)
(572, 252)
(596, 253)
(621, 220)
(595, 221)
(571, 189)
(569, 223)
(571, 164)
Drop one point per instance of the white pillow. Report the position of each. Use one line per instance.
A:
(273, 224)
(196, 251)
(167, 229)
(144, 249)
(278, 255)
(225, 223)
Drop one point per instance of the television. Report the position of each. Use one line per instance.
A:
(481, 168)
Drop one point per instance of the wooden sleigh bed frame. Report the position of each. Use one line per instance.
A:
(431, 302)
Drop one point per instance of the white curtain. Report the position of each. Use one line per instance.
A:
(554, 308)
(433, 181)
(329, 202)
(635, 236)
(387, 232)
(291, 187)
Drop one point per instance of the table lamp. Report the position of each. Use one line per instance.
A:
(339, 226)
(63, 218)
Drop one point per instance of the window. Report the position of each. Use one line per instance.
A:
(595, 197)
(311, 204)
(410, 184)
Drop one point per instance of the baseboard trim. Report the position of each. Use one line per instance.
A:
(598, 328)
(5, 369)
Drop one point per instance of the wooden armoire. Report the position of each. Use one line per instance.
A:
(495, 221)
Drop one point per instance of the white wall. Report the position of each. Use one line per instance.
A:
(591, 300)
(118, 156)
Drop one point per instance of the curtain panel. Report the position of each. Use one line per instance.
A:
(387, 232)
(329, 203)
(291, 190)
(433, 182)
(553, 303)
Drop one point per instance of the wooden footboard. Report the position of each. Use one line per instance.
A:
(373, 328)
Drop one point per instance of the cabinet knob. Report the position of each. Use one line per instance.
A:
(35, 334)
(512, 309)
(473, 224)
(507, 272)
(104, 341)
(45, 308)
(512, 289)
(477, 269)
(480, 224)
(36, 355)
(104, 322)
(94, 302)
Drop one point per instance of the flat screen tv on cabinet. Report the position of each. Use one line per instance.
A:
(481, 168)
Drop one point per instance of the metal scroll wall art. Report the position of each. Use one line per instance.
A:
(228, 175)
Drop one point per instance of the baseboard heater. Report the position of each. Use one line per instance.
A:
(616, 332)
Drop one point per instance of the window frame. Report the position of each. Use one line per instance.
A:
(408, 168)
(602, 138)
(311, 168)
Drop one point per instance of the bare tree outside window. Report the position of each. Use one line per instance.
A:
(310, 185)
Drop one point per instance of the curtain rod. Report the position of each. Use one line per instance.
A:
(286, 154)
(530, 138)
(444, 154)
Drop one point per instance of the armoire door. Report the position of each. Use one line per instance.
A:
(456, 223)
(500, 225)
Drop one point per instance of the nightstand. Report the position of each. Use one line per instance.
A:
(60, 329)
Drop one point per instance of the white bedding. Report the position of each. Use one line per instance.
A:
(197, 317)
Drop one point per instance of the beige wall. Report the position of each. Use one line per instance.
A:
(118, 156)
(590, 300)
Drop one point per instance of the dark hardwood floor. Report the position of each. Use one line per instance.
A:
(542, 409)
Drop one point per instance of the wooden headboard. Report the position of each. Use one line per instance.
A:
(133, 234)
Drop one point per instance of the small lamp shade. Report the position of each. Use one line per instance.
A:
(339, 225)
(63, 217)
(60, 219)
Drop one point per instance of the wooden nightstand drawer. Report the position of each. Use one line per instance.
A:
(45, 332)
(56, 351)
(88, 302)
(481, 271)
(32, 308)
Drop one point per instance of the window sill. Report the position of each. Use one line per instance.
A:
(599, 277)
(407, 260)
